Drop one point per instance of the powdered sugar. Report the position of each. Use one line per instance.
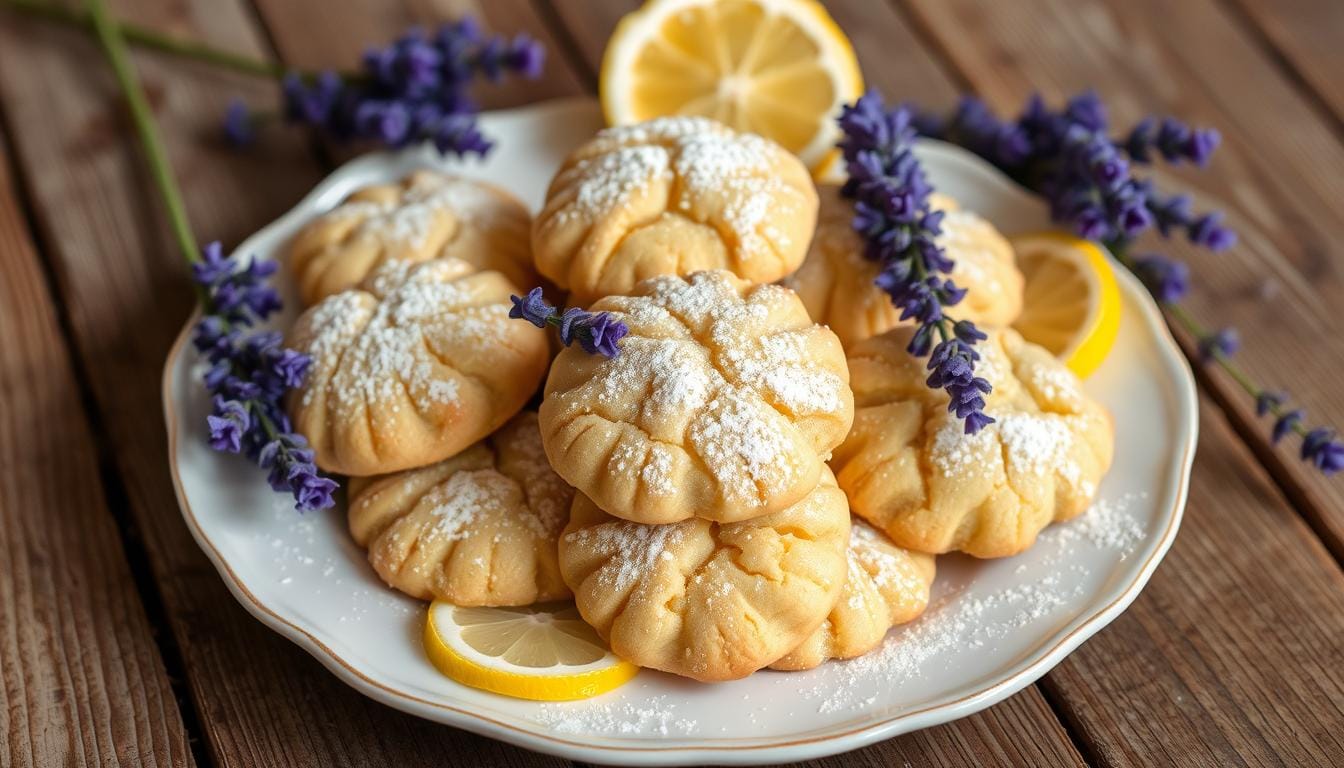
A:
(634, 550)
(966, 616)
(464, 499)
(656, 715)
(716, 174)
(371, 353)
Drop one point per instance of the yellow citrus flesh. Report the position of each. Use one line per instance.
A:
(1071, 304)
(779, 68)
(543, 652)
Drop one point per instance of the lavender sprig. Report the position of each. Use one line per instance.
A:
(598, 333)
(892, 213)
(415, 89)
(249, 375)
(1086, 175)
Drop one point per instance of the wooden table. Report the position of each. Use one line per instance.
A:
(120, 645)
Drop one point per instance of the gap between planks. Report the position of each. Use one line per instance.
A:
(114, 492)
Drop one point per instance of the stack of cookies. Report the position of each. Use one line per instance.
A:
(694, 492)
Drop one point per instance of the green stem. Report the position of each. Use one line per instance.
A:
(1198, 331)
(147, 38)
(115, 48)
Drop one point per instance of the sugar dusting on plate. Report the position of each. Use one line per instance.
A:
(956, 621)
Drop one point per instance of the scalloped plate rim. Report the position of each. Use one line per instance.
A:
(537, 737)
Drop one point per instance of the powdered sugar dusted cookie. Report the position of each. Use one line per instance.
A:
(885, 586)
(669, 197)
(708, 600)
(836, 280)
(417, 364)
(910, 469)
(477, 529)
(425, 216)
(723, 403)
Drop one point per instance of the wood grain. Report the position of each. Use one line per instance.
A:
(83, 683)
(1021, 730)
(1279, 175)
(1234, 653)
(1306, 35)
(261, 700)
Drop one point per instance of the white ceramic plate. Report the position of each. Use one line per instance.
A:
(993, 628)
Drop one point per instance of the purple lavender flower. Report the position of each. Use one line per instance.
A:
(1086, 175)
(238, 128)
(1322, 450)
(1222, 343)
(1167, 279)
(250, 375)
(892, 213)
(1266, 402)
(227, 425)
(415, 89)
(532, 308)
(598, 333)
(1286, 423)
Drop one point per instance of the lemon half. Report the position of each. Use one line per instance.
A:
(1071, 304)
(543, 652)
(779, 68)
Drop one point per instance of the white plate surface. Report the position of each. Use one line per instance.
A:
(993, 627)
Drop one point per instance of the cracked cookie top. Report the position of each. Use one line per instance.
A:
(477, 529)
(669, 197)
(711, 601)
(910, 469)
(723, 403)
(424, 216)
(412, 367)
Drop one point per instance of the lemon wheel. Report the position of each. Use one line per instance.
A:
(542, 652)
(1071, 304)
(779, 68)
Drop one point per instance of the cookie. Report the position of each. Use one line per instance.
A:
(478, 529)
(836, 281)
(707, 600)
(412, 367)
(426, 215)
(723, 403)
(885, 586)
(910, 469)
(669, 197)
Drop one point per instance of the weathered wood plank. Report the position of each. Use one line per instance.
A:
(1021, 730)
(1234, 654)
(83, 683)
(1280, 175)
(261, 700)
(1307, 34)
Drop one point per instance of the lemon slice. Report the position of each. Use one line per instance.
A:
(780, 68)
(1071, 305)
(542, 652)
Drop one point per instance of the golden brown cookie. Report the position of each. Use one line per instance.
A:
(836, 280)
(412, 367)
(708, 600)
(477, 529)
(669, 197)
(886, 586)
(723, 403)
(909, 468)
(426, 215)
